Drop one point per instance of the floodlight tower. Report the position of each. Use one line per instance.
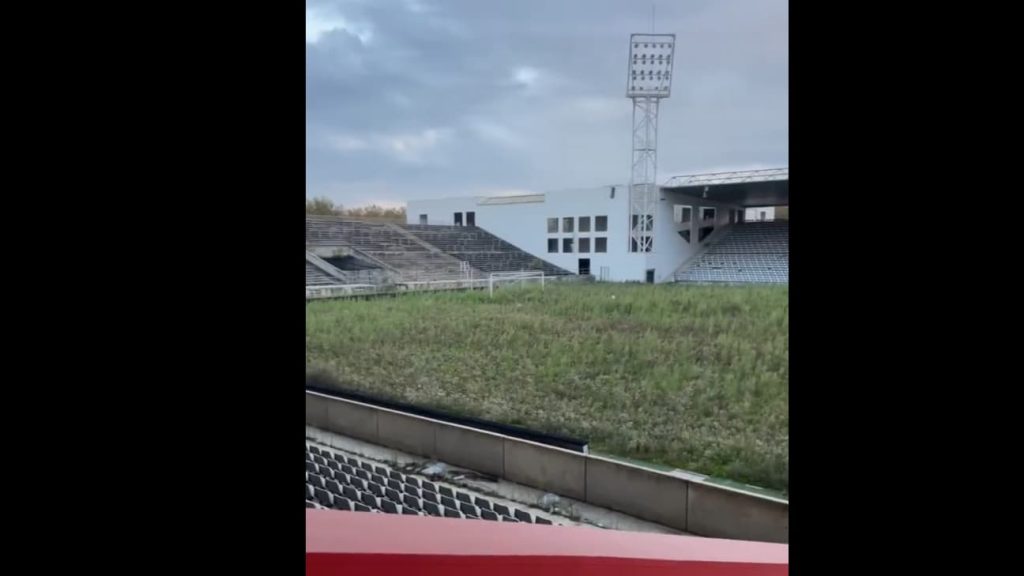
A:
(649, 80)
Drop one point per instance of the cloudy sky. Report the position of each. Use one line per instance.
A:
(411, 99)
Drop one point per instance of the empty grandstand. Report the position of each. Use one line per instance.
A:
(385, 245)
(588, 231)
(756, 252)
(700, 235)
(345, 256)
(482, 250)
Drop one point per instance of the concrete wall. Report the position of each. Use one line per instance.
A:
(712, 510)
(754, 214)
(670, 250)
(352, 419)
(681, 503)
(547, 468)
(316, 411)
(471, 449)
(406, 433)
(637, 491)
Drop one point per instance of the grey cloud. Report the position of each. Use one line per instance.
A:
(440, 79)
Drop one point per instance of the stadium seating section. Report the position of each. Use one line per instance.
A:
(384, 244)
(418, 253)
(756, 252)
(483, 250)
(343, 482)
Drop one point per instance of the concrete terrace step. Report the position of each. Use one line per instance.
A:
(482, 250)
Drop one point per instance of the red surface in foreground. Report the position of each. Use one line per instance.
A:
(354, 542)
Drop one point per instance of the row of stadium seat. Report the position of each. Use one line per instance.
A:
(367, 236)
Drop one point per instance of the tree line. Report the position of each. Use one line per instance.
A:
(322, 206)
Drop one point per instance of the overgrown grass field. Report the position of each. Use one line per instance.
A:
(694, 377)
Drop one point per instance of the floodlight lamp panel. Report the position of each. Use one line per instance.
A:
(650, 65)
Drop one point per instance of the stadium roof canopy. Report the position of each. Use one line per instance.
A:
(745, 188)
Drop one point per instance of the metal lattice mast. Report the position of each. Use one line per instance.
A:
(649, 80)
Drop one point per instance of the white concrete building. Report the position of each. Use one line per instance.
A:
(760, 214)
(587, 230)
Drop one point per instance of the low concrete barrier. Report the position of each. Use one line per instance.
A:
(351, 419)
(473, 449)
(547, 468)
(316, 411)
(723, 513)
(636, 491)
(406, 432)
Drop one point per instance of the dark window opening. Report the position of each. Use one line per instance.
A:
(458, 218)
(650, 276)
(686, 235)
(584, 223)
(423, 219)
(584, 265)
(600, 224)
(552, 245)
(567, 224)
(705, 232)
(552, 225)
(567, 245)
(600, 244)
(584, 245)
(470, 218)
(681, 214)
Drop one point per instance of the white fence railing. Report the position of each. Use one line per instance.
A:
(513, 278)
(495, 279)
